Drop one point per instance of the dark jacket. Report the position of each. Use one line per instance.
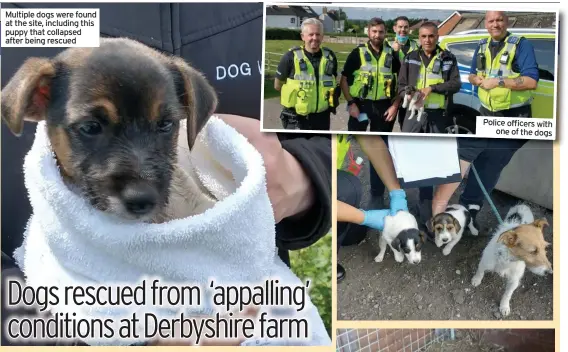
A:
(409, 72)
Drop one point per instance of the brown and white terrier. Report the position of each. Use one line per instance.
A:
(517, 244)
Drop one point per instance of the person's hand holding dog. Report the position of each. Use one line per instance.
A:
(425, 92)
(398, 201)
(289, 187)
(375, 218)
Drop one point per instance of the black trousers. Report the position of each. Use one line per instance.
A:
(375, 110)
(349, 190)
(436, 121)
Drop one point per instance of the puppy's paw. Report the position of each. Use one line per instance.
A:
(399, 258)
(476, 280)
(474, 231)
(379, 258)
(505, 309)
(446, 250)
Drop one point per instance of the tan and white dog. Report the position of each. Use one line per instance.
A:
(517, 244)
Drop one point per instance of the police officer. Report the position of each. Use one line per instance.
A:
(368, 82)
(307, 80)
(434, 72)
(402, 45)
(505, 69)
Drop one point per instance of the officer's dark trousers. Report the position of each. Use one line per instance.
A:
(349, 190)
(489, 156)
(375, 110)
(317, 121)
(436, 121)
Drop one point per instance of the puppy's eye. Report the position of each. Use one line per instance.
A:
(90, 128)
(534, 251)
(165, 126)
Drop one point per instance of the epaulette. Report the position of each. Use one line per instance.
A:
(513, 39)
(361, 45)
(483, 41)
(295, 48)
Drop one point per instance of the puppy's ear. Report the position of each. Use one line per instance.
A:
(27, 95)
(422, 236)
(457, 225)
(541, 223)
(508, 238)
(396, 244)
(196, 94)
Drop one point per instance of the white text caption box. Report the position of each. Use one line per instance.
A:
(515, 128)
(50, 27)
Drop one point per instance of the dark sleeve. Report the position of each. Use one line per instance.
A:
(352, 63)
(403, 76)
(453, 84)
(473, 69)
(313, 152)
(396, 70)
(335, 64)
(285, 66)
(526, 59)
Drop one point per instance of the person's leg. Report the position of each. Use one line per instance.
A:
(349, 191)
(353, 124)
(489, 165)
(401, 115)
(320, 121)
(414, 126)
(378, 124)
(438, 121)
(444, 192)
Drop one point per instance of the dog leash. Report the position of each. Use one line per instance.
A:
(489, 200)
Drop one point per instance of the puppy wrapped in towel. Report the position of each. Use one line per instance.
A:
(70, 241)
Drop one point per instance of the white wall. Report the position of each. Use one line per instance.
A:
(282, 21)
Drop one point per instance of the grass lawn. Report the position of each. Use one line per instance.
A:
(314, 263)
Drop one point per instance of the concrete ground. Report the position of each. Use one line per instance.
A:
(272, 109)
(439, 287)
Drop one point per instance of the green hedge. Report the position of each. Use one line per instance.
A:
(314, 263)
(282, 34)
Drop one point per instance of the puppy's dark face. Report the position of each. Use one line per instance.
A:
(113, 115)
(410, 243)
(445, 228)
(409, 90)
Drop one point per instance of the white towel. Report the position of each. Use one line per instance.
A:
(68, 242)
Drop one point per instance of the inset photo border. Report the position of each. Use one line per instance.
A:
(355, 101)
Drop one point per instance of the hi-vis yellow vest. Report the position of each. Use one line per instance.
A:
(373, 79)
(501, 98)
(343, 145)
(304, 93)
(429, 76)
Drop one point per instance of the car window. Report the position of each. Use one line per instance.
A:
(463, 52)
(545, 55)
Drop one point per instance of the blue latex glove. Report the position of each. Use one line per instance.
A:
(375, 218)
(398, 201)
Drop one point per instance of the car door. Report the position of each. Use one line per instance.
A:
(463, 52)
(543, 103)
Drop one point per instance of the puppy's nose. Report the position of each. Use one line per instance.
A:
(416, 261)
(139, 198)
(445, 240)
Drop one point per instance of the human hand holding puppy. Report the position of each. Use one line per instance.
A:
(289, 187)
